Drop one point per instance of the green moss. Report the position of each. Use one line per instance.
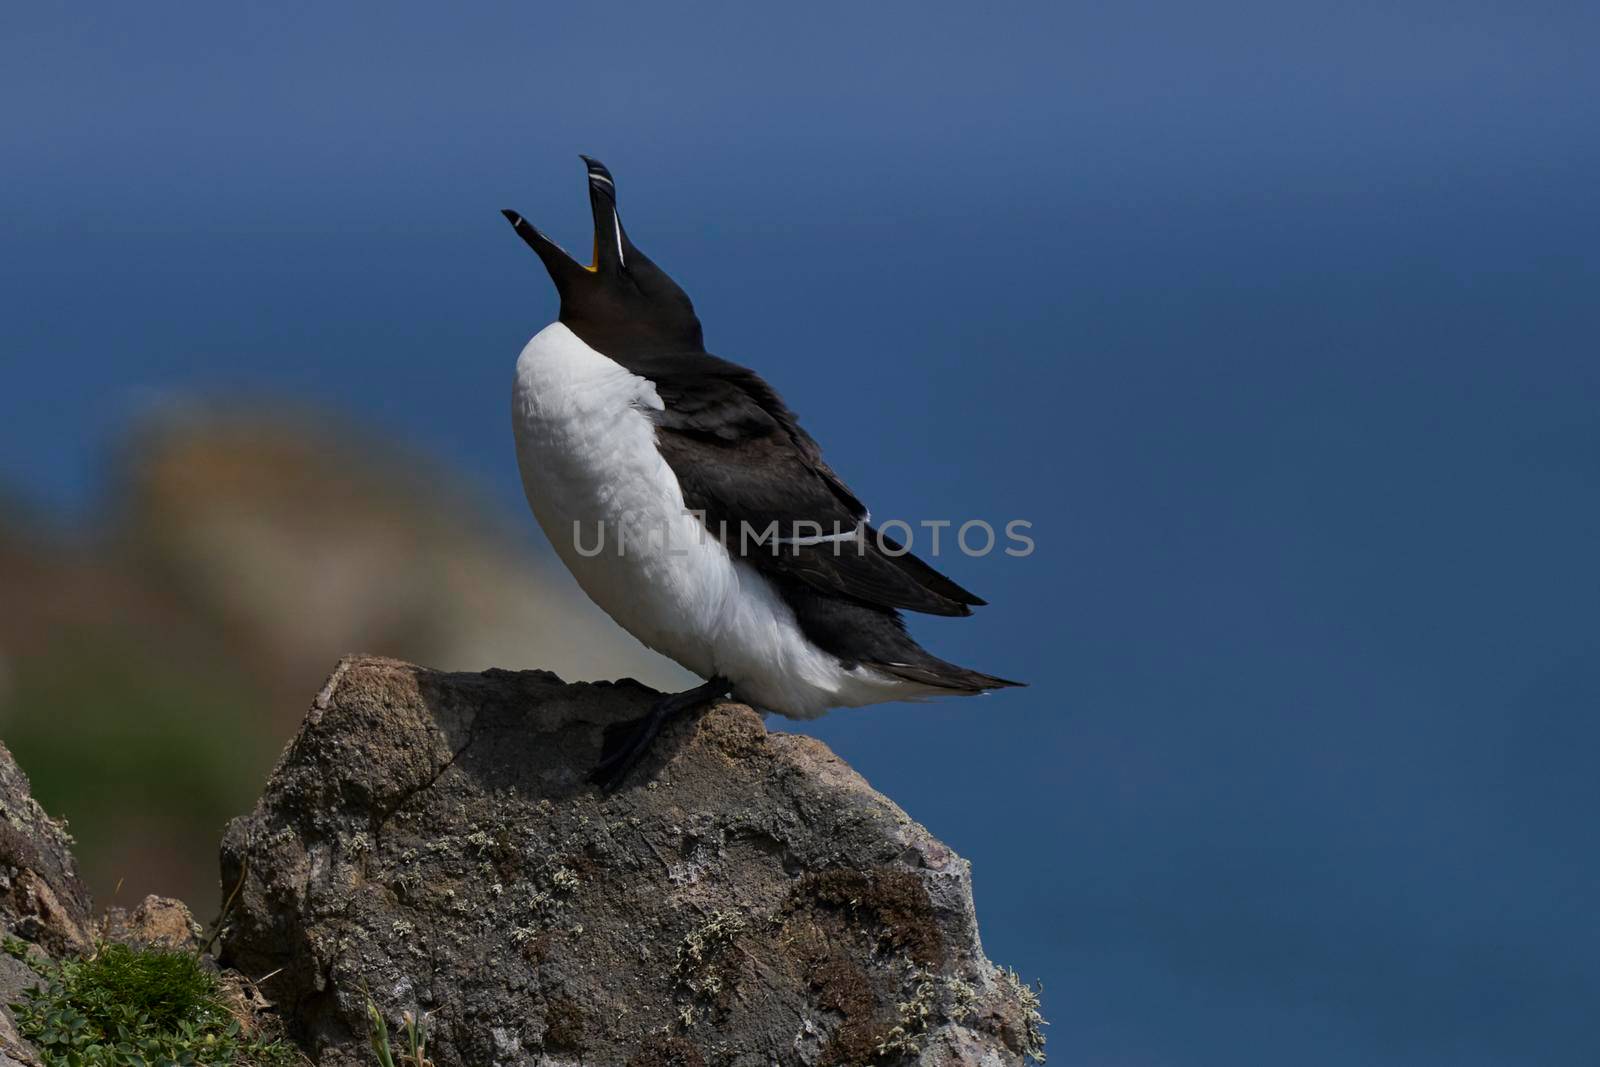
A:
(124, 1007)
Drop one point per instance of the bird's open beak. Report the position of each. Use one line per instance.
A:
(562, 267)
(611, 245)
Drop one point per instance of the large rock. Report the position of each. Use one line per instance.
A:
(429, 840)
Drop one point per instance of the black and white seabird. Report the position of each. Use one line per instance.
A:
(645, 458)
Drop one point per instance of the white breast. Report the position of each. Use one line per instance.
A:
(587, 451)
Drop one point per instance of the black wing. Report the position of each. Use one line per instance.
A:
(743, 461)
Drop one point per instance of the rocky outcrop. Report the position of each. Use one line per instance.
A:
(157, 922)
(42, 901)
(41, 898)
(429, 840)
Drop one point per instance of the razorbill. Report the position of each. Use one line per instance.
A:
(690, 505)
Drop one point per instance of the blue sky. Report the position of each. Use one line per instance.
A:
(1278, 321)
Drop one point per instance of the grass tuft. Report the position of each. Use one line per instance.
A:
(415, 1053)
(125, 1007)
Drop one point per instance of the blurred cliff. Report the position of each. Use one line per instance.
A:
(153, 665)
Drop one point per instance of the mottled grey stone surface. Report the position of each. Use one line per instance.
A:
(41, 899)
(744, 899)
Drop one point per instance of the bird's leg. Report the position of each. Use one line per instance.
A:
(622, 758)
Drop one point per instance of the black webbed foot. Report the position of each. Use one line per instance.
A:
(627, 743)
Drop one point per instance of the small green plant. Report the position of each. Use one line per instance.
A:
(416, 1054)
(124, 1007)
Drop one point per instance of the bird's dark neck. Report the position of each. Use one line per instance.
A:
(633, 343)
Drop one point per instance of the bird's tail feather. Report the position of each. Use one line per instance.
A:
(937, 674)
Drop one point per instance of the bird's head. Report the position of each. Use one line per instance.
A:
(621, 301)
